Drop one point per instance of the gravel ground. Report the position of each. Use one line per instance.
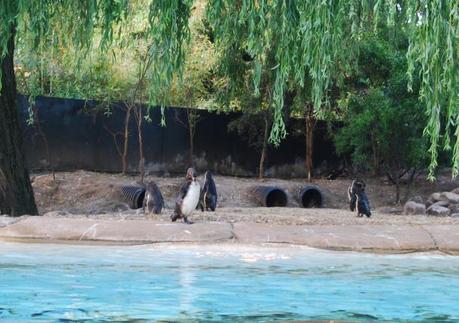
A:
(96, 195)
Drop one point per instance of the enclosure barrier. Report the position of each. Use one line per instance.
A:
(310, 196)
(270, 196)
(133, 196)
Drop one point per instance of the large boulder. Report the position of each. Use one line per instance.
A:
(413, 208)
(452, 198)
(417, 199)
(437, 210)
(440, 203)
(433, 198)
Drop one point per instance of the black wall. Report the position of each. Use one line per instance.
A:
(78, 133)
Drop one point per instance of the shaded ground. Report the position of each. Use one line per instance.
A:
(89, 194)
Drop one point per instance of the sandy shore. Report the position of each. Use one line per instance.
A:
(85, 207)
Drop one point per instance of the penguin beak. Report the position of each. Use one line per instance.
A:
(191, 174)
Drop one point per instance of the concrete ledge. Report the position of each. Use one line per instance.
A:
(446, 237)
(371, 237)
(381, 238)
(131, 231)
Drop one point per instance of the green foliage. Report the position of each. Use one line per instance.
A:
(79, 34)
(309, 39)
(382, 134)
(383, 125)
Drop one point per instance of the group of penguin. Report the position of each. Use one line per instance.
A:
(188, 199)
(191, 196)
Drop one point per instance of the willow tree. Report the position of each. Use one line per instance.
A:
(307, 37)
(75, 22)
(310, 38)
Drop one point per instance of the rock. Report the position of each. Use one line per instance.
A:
(435, 197)
(452, 198)
(454, 215)
(441, 203)
(454, 208)
(417, 199)
(413, 208)
(455, 191)
(438, 210)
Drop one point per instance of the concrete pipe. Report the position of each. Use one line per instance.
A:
(310, 196)
(133, 196)
(270, 196)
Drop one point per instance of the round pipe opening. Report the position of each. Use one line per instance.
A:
(270, 196)
(133, 196)
(139, 200)
(276, 198)
(311, 197)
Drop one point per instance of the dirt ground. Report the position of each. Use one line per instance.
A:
(90, 194)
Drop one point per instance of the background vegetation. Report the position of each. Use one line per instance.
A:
(391, 65)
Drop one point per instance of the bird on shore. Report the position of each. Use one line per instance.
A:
(358, 200)
(208, 198)
(188, 197)
(153, 201)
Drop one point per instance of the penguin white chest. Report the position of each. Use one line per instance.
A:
(191, 199)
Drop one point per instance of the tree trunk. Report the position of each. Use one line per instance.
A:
(261, 172)
(191, 135)
(408, 185)
(141, 155)
(44, 138)
(376, 158)
(310, 124)
(191, 125)
(397, 190)
(16, 193)
(126, 139)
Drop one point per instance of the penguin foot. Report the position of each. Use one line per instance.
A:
(185, 220)
(174, 217)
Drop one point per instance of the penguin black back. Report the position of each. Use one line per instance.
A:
(358, 200)
(153, 201)
(208, 198)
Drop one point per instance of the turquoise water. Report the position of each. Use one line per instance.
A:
(65, 283)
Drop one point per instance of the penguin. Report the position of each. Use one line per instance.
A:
(188, 198)
(358, 200)
(208, 198)
(153, 201)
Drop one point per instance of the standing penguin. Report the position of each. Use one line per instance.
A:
(188, 197)
(358, 200)
(153, 201)
(208, 199)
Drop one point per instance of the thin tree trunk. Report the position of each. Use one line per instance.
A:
(141, 155)
(261, 168)
(17, 196)
(126, 139)
(191, 135)
(376, 159)
(310, 124)
(45, 140)
(410, 182)
(191, 128)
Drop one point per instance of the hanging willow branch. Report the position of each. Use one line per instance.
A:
(310, 40)
(310, 37)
